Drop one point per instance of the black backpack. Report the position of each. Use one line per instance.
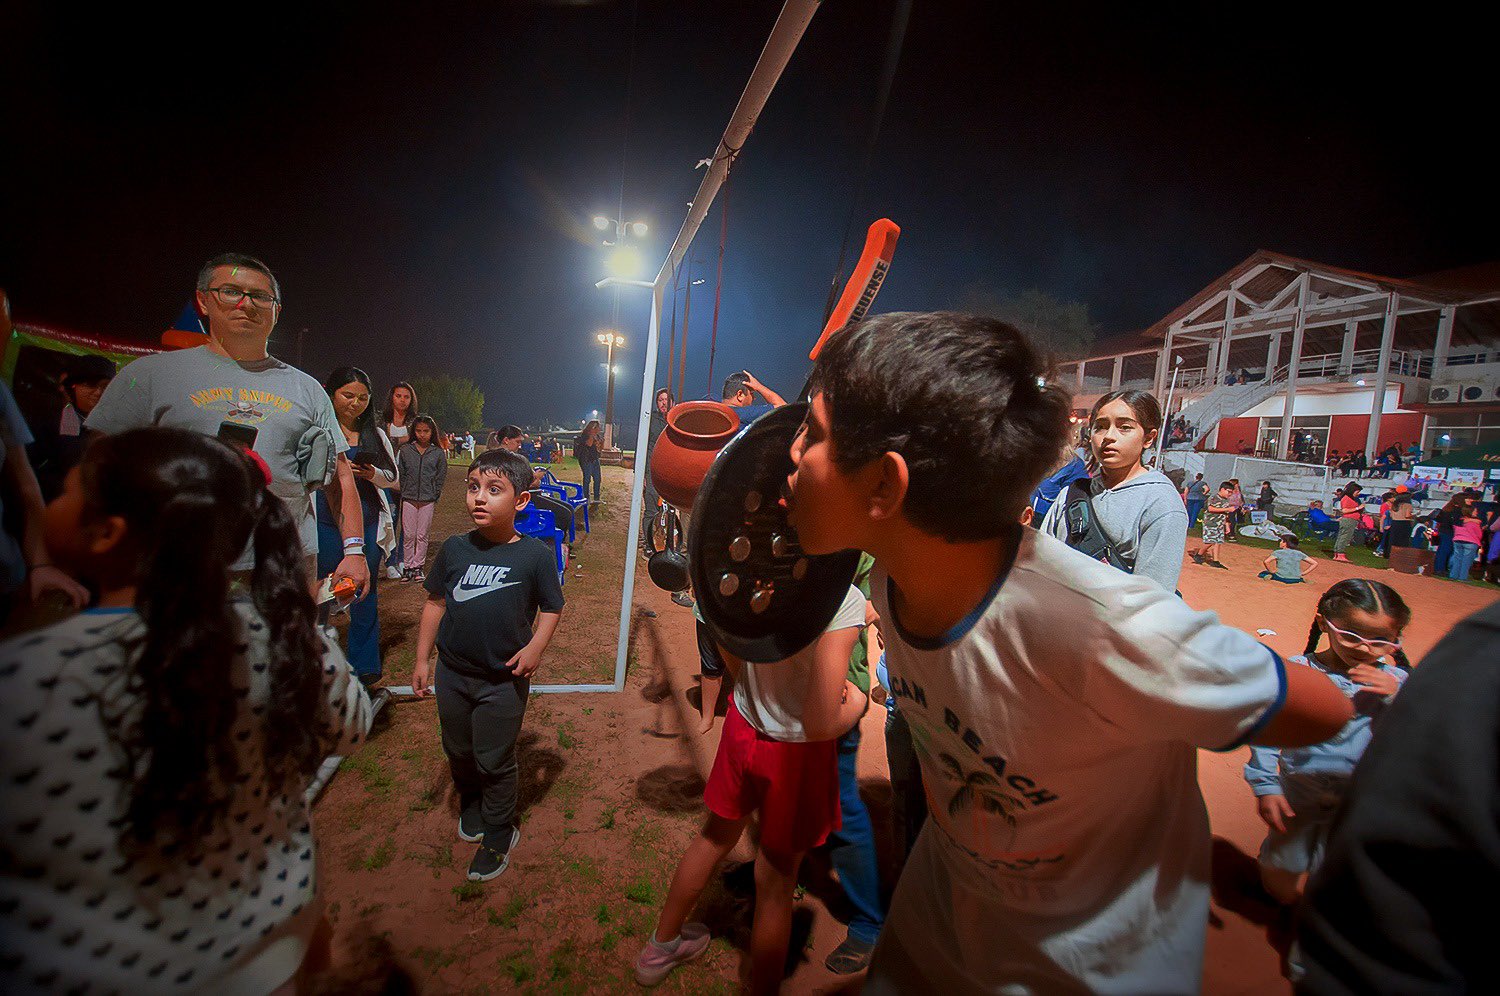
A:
(1084, 532)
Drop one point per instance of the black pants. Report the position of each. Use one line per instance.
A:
(481, 719)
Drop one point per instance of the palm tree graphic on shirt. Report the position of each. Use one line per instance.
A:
(980, 793)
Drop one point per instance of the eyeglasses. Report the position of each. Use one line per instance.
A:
(230, 295)
(1357, 640)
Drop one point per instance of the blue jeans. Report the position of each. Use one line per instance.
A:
(592, 473)
(1464, 555)
(851, 848)
(1194, 506)
(364, 619)
(1440, 562)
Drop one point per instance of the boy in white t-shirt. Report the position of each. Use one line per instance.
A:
(777, 757)
(1055, 704)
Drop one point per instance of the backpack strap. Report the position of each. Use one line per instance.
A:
(1084, 532)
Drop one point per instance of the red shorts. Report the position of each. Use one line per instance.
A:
(794, 786)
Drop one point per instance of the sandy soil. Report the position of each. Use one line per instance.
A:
(611, 793)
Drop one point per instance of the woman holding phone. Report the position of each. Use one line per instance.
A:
(374, 462)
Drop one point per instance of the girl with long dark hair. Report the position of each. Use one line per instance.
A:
(587, 448)
(1138, 509)
(374, 463)
(156, 748)
(424, 469)
(1298, 790)
(396, 422)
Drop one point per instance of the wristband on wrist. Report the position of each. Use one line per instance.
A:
(354, 551)
(353, 541)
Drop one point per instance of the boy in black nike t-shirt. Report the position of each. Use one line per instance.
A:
(484, 590)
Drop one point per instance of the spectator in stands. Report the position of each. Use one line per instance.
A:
(1413, 454)
(58, 449)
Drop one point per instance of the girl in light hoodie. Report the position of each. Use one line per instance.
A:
(1139, 510)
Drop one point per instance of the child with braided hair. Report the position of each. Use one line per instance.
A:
(1298, 790)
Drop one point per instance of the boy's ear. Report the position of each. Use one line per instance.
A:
(104, 535)
(890, 479)
(522, 500)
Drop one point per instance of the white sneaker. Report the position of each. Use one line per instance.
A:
(394, 573)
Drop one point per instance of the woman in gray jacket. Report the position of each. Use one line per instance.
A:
(424, 468)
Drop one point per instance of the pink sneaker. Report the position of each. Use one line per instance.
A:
(657, 960)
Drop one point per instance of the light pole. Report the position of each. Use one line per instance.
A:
(610, 339)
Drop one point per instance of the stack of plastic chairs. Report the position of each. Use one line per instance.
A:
(533, 521)
(569, 492)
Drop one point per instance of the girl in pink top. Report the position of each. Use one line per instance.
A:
(1466, 537)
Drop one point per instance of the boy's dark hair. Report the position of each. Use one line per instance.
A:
(1227, 486)
(1291, 540)
(509, 432)
(735, 383)
(962, 398)
(507, 464)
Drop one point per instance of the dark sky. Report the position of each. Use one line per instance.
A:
(422, 182)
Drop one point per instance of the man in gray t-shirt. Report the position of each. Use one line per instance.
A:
(232, 382)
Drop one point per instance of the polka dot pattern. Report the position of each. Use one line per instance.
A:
(78, 914)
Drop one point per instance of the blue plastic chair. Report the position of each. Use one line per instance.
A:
(572, 494)
(554, 491)
(532, 521)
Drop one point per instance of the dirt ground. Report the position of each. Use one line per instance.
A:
(612, 791)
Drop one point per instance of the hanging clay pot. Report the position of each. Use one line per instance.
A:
(695, 432)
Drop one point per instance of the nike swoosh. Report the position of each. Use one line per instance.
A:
(464, 594)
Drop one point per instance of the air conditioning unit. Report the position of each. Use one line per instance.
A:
(1473, 392)
(1442, 394)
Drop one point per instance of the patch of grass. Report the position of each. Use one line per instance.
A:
(588, 710)
(369, 911)
(582, 868)
(602, 915)
(409, 754)
(562, 961)
(427, 800)
(434, 959)
(439, 859)
(468, 891)
(518, 966)
(642, 891)
(568, 813)
(510, 916)
(607, 818)
(608, 941)
(565, 738)
(377, 781)
(381, 856)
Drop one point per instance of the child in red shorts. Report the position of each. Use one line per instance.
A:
(776, 757)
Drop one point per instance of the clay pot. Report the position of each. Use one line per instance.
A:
(695, 432)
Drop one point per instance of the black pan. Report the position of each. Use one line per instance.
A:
(761, 596)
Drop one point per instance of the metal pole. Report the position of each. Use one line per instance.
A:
(609, 395)
(1161, 434)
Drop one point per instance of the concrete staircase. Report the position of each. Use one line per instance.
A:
(1227, 401)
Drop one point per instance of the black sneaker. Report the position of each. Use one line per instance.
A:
(849, 957)
(489, 863)
(470, 825)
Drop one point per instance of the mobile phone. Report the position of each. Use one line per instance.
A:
(236, 434)
(363, 459)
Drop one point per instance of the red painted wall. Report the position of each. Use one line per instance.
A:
(1237, 432)
(1347, 432)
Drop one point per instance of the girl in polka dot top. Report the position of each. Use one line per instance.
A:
(155, 749)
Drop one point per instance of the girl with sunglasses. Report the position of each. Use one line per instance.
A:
(1298, 790)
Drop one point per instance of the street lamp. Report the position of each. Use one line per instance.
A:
(610, 339)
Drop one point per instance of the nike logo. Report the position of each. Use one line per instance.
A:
(462, 594)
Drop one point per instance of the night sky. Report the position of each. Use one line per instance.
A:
(422, 183)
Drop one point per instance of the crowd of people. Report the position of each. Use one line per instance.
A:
(158, 743)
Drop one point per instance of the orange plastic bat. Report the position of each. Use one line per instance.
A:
(864, 283)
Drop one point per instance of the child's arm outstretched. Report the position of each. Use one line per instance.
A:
(529, 657)
(1264, 775)
(424, 669)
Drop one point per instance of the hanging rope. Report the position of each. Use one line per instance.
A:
(713, 340)
(899, 19)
